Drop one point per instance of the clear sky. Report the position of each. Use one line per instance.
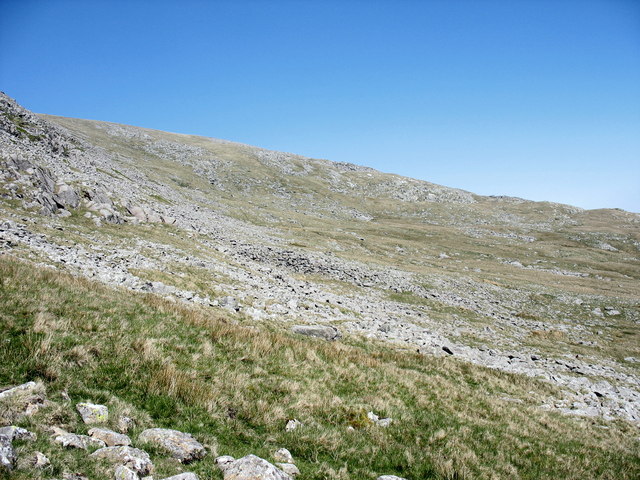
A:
(537, 99)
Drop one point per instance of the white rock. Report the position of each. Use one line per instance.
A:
(92, 413)
(292, 425)
(252, 467)
(283, 455)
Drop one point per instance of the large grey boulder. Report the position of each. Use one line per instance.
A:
(82, 442)
(252, 467)
(183, 476)
(325, 332)
(7, 454)
(109, 437)
(181, 446)
(133, 458)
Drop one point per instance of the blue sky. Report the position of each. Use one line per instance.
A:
(537, 99)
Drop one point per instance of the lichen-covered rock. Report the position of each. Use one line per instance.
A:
(326, 332)
(181, 446)
(83, 442)
(7, 454)
(92, 413)
(125, 473)
(252, 467)
(133, 458)
(109, 437)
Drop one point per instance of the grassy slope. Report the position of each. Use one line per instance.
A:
(234, 387)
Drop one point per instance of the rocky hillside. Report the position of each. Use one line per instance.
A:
(335, 250)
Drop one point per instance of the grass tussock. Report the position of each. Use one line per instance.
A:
(234, 387)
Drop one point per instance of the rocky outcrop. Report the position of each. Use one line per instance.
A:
(325, 332)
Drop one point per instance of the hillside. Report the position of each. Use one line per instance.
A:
(500, 334)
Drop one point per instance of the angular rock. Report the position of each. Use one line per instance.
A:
(252, 467)
(289, 469)
(39, 460)
(181, 446)
(83, 442)
(138, 212)
(7, 454)
(326, 332)
(109, 437)
(183, 476)
(125, 473)
(133, 458)
(283, 455)
(17, 433)
(92, 413)
(67, 197)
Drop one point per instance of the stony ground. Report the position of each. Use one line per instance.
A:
(539, 289)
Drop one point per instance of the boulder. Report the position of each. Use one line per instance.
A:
(133, 458)
(181, 446)
(92, 413)
(183, 476)
(252, 467)
(326, 332)
(66, 197)
(125, 473)
(283, 455)
(7, 454)
(83, 442)
(109, 437)
(138, 212)
(17, 433)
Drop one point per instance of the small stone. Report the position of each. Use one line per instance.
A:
(181, 446)
(289, 469)
(109, 437)
(39, 460)
(292, 425)
(224, 461)
(92, 413)
(125, 423)
(283, 455)
(133, 458)
(125, 473)
(390, 477)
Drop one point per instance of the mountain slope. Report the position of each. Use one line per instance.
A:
(275, 239)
